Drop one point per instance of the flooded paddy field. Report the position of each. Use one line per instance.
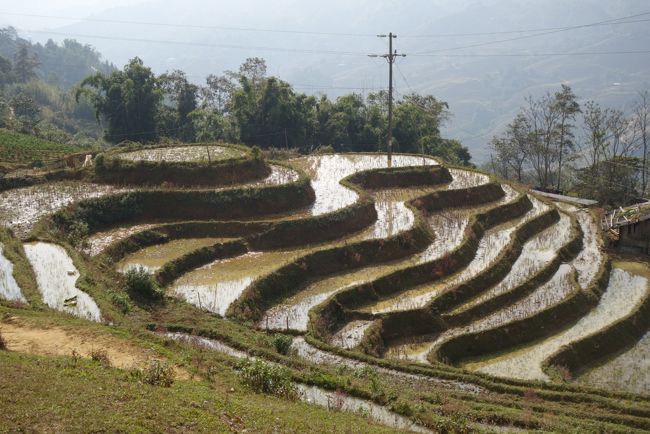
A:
(9, 289)
(627, 286)
(56, 276)
(22, 208)
(153, 258)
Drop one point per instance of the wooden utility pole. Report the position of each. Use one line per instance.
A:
(390, 58)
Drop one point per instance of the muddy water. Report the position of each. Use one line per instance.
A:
(490, 247)
(154, 257)
(215, 286)
(448, 227)
(341, 402)
(628, 285)
(21, 208)
(536, 254)
(9, 289)
(56, 276)
(97, 242)
(350, 335)
(628, 372)
(326, 172)
(182, 154)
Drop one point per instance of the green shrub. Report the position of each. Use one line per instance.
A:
(157, 373)
(141, 286)
(3, 343)
(267, 378)
(282, 343)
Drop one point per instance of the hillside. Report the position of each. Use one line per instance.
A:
(203, 288)
(22, 149)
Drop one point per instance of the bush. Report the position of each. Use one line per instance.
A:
(267, 378)
(120, 302)
(141, 286)
(157, 373)
(282, 343)
(3, 343)
(100, 356)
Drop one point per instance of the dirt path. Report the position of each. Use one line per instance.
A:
(22, 337)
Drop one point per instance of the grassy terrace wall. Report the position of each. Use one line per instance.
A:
(427, 320)
(173, 231)
(22, 272)
(400, 177)
(197, 258)
(594, 349)
(517, 333)
(566, 253)
(110, 169)
(10, 182)
(155, 205)
(327, 317)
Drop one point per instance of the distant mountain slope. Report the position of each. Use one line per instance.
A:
(62, 64)
(483, 92)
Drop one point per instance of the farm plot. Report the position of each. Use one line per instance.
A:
(21, 208)
(151, 259)
(327, 171)
(182, 154)
(628, 372)
(56, 276)
(490, 247)
(448, 227)
(625, 290)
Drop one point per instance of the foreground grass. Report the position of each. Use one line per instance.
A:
(59, 394)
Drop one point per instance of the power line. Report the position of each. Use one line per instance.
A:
(306, 32)
(327, 52)
(551, 54)
(565, 29)
(198, 44)
(190, 26)
(510, 32)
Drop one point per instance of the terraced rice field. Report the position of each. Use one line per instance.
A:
(412, 319)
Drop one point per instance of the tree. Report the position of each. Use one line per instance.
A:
(25, 64)
(566, 105)
(6, 72)
(180, 99)
(642, 131)
(129, 100)
(511, 149)
(26, 111)
(417, 117)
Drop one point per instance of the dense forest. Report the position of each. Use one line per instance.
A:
(251, 107)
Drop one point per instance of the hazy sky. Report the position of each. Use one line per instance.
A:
(68, 8)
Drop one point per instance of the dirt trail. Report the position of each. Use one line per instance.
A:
(22, 337)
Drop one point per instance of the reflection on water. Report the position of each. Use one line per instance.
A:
(9, 289)
(56, 276)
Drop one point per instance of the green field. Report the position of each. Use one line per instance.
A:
(17, 148)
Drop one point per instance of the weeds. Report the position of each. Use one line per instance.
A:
(101, 357)
(157, 373)
(282, 343)
(3, 343)
(267, 378)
